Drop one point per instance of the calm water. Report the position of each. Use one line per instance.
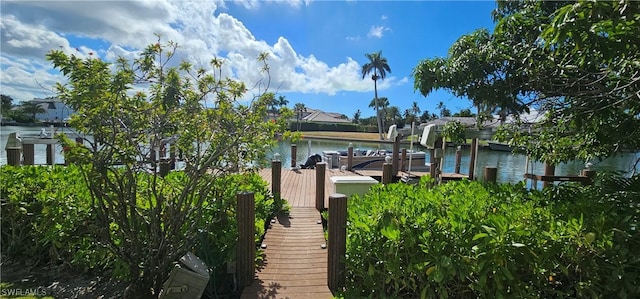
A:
(511, 167)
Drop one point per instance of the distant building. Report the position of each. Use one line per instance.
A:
(313, 115)
(55, 110)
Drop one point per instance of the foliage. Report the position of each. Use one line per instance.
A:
(31, 109)
(356, 117)
(134, 108)
(335, 127)
(468, 240)
(8, 112)
(577, 61)
(300, 109)
(454, 130)
(379, 66)
(47, 218)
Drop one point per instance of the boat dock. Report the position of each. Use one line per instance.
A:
(294, 263)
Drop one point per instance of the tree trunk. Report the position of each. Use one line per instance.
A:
(375, 89)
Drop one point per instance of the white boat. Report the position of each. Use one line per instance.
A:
(374, 159)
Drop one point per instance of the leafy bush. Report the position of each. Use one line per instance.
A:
(468, 240)
(46, 216)
(146, 220)
(336, 127)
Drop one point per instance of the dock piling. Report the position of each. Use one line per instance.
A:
(549, 170)
(387, 176)
(276, 177)
(294, 152)
(396, 155)
(337, 243)
(350, 157)
(50, 154)
(472, 160)
(490, 174)
(458, 160)
(28, 151)
(320, 174)
(246, 239)
(13, 156)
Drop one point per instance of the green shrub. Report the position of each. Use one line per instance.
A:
(46, 216)
(468, 240)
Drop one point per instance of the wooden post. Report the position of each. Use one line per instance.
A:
(153, 154)
(395, 155)
(458, 160)
(433, 170)
(549, 169)
(13, 156)
(79, 140)
(321, 168)
(490, 174)
(350, 158)
(590, 174)
(163, 150)
(387, 173)
(245, 214)
(172, 155)
(337, 241)
(444, 153)
(50, 154)
(472, 160)
(165, 165)
(403, 158)
(28, 152)
(294, 152)
(276, 178)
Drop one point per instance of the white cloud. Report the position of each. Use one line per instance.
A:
(31, 28)
(377, 31)
(353, 38)
(383, 17)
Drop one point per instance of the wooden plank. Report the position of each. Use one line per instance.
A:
(558, 178)
(294, 264)
(453, 177)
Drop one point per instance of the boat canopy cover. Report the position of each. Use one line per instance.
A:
(428, 139)
(393, 132)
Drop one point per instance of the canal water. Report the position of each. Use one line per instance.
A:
(511, 167)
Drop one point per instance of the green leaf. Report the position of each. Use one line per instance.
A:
(479, 236)
(390, 232)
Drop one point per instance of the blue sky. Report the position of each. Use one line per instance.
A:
(316, 47)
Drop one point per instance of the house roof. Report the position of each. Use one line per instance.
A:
(314, 115)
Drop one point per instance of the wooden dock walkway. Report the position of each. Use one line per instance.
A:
(295, 262)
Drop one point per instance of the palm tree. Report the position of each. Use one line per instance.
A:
(32, 109)
(356, 117)
(380, 105)
(300, 109)
(282, 101)
(415, 110)
(379, 67)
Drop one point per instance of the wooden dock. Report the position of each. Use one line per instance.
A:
(295, 259)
